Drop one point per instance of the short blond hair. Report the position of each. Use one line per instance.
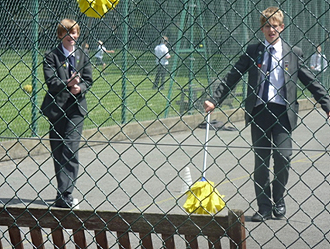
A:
(272, 14)
(66, 26)
(164, 39)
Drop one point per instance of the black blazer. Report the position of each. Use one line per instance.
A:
(294, 69)
(56, 74)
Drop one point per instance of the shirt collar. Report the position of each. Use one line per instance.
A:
(67, 52)
(277, 46)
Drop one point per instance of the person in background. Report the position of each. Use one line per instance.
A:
(100, 52)
(271, 107)
(318, 61)
(86, 48)
(68, 76)
(162, 56)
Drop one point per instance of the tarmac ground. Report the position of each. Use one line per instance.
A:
(150, 175)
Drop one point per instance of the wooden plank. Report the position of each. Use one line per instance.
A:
(15, 237)
(36, 237)
(58, 238)
(101, 239)
(178, 223)
(140, 222)
(123, 239)
(146, 241)
(191, 241)
(169, 241)
(79, 238)
(236, 230)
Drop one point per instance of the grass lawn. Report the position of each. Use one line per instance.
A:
(116, 96)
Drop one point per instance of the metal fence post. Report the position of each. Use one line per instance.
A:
(34, 102)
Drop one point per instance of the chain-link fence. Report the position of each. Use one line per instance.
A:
(138, 141)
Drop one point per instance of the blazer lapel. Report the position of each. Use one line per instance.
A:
(63, 60)
(77, 57)
(259, 55)
(286, 58)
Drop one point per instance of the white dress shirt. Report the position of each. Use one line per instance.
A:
(317, 63)
(276, 93)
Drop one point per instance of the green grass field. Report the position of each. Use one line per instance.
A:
(116, 95)
(105, 99)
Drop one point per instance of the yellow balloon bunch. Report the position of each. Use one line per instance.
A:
(203, 198)
(96, 8)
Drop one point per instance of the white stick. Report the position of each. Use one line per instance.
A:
(206, 143)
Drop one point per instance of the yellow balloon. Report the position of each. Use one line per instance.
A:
(96, 8)
(203, 198)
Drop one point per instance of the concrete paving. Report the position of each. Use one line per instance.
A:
(149, 175)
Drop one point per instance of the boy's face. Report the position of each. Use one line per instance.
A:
(272, 30)
(69, 40)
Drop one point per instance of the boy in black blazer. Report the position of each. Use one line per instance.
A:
(271, 107)
(68, 75)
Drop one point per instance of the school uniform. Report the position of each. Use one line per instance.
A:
(65, 113)
(272, 120)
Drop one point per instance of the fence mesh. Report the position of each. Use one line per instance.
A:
(138, 142)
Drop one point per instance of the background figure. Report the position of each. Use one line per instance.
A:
(86, 48)
(318, 61)
(99, 55)
(68, 75)
(271, 107)
(162, 56)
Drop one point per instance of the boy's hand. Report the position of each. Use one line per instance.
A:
(74, 80)
(75, 89)
(208, 106)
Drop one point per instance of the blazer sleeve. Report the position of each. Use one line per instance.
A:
(312, 84)
(85, 70)
(229, 82)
